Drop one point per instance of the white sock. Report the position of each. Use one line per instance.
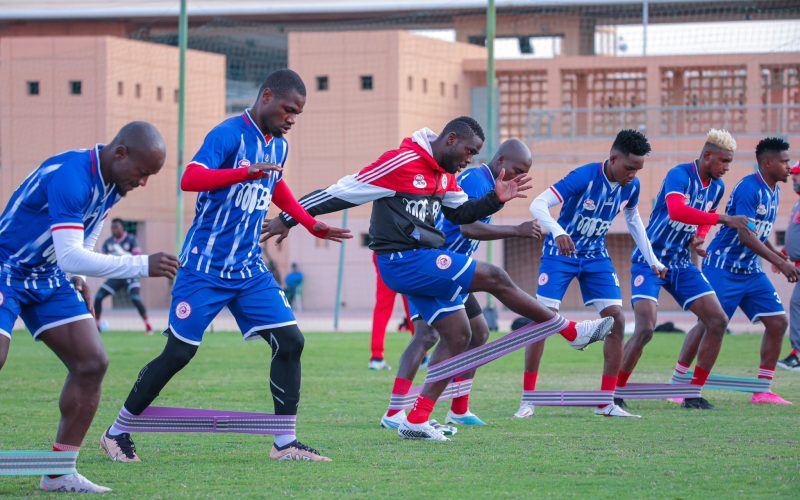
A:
(283, 440)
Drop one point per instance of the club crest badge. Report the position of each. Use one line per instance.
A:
(589, 204)
(638, 280)
(183, 310)
(443, 262)
(419, 181)
(543, 279)
(761, 209)
(244, 163)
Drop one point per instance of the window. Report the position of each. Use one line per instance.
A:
(441, 89)
(176, 96)
(75, 87)
(366, 82)
(120, 88)
(322, 83)
(455, 91)
(424, 85)
(33, 87)
(159, 94)
(410, 83)
(780, 238)
(137, 90)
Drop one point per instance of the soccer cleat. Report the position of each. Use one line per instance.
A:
(120, 448)
(613, 410)
(467, 418)
(296, 451)
(791, 363)
(394, 421)
(621, 403)
(697, 404)
(447, 430)
(526, 410)
(591, 331)
(424, 431)
(675, 400)
(378, 364)
(768, 398)
(74, 483)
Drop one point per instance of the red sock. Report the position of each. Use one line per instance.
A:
(700, 376)
(423, 407)
(569, 333)
(766, 373)
(460, 405)
(401, 388)
(793, 353)
(622, 378)
(529, 381)
(607, 383)
(62, 447)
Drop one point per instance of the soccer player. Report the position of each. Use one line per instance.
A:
(47, 234)
(409, 186)
(731, 262)
(237, 171)
(121, 243)
(792, 249)
(689, 196)
(514, 157)
(592, 196)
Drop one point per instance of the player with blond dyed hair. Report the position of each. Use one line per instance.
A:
(688, 198)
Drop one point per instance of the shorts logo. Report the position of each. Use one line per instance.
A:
(543, 279)
(444, 262)
(589, 204)
(638, 280)
(183, 310)
(761, 210)
(444, 182)
(244, 163)
(419, 181)
(2, 298)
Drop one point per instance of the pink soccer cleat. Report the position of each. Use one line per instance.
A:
(768, 398)
(675, 400)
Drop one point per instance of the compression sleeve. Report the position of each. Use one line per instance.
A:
(680, 212)
(197, 178)
(639, 234)
(284, 199)
(73, 258)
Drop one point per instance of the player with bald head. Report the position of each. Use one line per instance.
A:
(47, 234)
(592, 196)
(688, 199)
(515, 158)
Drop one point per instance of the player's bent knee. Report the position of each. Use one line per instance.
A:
(178, 352)
(93, 368)
(715, 324)
(287, 341)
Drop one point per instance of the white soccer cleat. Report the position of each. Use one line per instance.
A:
(612, 410)
(394, 421)
(591, 331)
(424, 431)
(526, 410)
(379, 364)
(73, 483)
(467, 418)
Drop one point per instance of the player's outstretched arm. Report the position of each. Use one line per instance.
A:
(540, 209)
(749, 239)
(74, 258)
(487, 232)
(639, 234)
(197, 177)
(285, 200)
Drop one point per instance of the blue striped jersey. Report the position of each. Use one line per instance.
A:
(476, 183)
(67, 191)
(590, 203)
(670, 239)
(754, 199)
(223, 238)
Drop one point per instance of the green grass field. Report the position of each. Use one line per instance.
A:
(740, 450)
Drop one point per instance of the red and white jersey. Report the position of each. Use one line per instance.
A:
(409, 189)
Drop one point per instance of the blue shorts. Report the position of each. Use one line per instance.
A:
(596, 275)
(433, 281)
(257, 303)
(685, 284)
(41, 309)
(754, 293)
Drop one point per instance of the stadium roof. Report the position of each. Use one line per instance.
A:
(114, 9)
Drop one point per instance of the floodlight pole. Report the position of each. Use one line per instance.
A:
(338, 304)
(183, 35)
(491, 104)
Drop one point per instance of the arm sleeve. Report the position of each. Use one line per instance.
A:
(639, 234)
(91, 241)
(680, 212)
(285, 200)
(540, 208)
(197, 177)
(74, 258)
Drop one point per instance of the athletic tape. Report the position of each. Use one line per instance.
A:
(452, 391)
(658, 391)
(159, 419)
(37, 463)
(568, 398)
(723, 383)
(479, 356)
